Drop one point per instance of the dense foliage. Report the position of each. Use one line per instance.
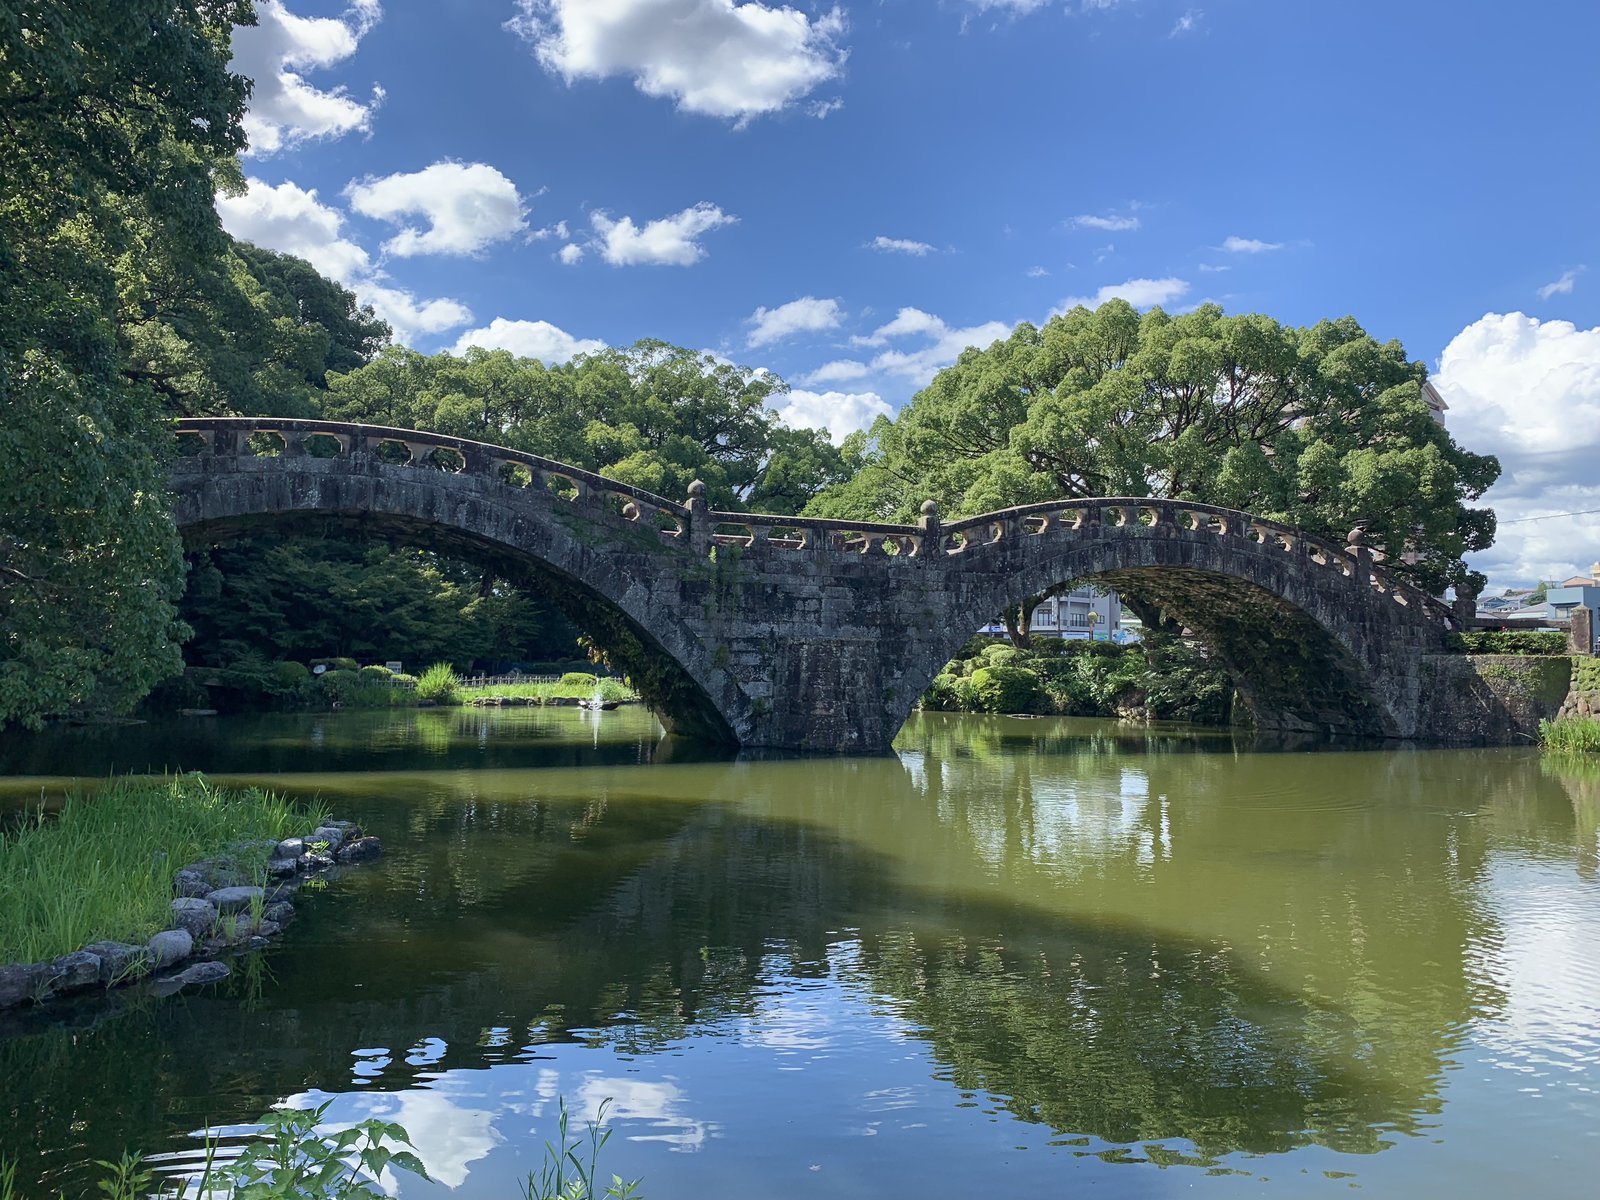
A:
(1508, 641)
(652, 415)
(115, 120)
(1322, 427)
(310, 598)
(1169, 680)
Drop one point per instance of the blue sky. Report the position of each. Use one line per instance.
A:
(849, 194)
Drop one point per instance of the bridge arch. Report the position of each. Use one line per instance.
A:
(1314, 637)
(820, 635)
(597, 549)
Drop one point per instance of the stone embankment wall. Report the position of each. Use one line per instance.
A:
(218, 908)
(1583, 699)
(1493, 699)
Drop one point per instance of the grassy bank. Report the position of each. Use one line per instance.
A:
(1570, 734)
(568, 687)
(101, 868)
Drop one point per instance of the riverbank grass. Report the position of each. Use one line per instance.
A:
(100, 869)
(576, 686)
(1570, 733)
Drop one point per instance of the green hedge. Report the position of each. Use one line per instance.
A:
(1497, 641)
(1586, 674)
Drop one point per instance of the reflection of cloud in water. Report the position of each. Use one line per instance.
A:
(789, 1022)
(656, 1104)
(447, 1135)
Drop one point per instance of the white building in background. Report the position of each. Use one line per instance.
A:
(1075, 614)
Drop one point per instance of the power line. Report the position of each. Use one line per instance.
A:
(1587, 512)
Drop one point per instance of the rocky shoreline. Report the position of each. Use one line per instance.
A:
(216, 910)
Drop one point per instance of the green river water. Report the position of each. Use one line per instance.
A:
(1018, 957)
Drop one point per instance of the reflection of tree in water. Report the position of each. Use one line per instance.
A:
(1131, 1042)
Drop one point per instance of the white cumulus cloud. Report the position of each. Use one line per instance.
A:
(528, 339)
(891, 245)
(805, 315)
(467, 206)
(571, 254)
(942, 345)
(840, 370)
(715, 57)
(1529, 391)
(291, 219)
(1239, 245)
(669, 241)
(1141, 293)
(276, 52)
(840, 413)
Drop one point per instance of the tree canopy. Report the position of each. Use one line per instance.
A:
(116, 122)
(652, 415)
(1322, 427)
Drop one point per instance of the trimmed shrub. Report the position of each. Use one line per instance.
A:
(999, 656)
(335, 664)
(578, 679)
(1004, 689)
(1586, 674)
(290, 676)
(339, 685)
(375, 674)
(1508, 641)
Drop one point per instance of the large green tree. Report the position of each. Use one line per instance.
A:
(117, 121)
(1323, 427)
(652, 415)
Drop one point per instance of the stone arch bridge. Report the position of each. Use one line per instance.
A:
(820, 635)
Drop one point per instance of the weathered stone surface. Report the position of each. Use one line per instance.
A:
(197, 917)
(326, 839)
(191, 881)
(809, 635)
(315, 860)
(199, 975)
(281, 868)
(171, 946)
(119, 962)
(232, 899)
(75, 972)
(363, 849)
(24, 982)
(1490, 698)
(280, 913)
(290, 848)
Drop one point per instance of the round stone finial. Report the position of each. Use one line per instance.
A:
(1356, 537)
(930, 508)
(697, 490)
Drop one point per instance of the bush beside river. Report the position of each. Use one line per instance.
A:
(1167, 680)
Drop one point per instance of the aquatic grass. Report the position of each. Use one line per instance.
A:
(439, 684)
(569, 1175)
(100, 868)
(1570, 734)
